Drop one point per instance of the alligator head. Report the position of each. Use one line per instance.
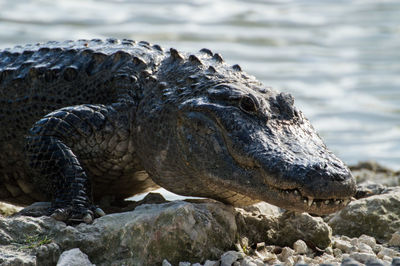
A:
(217, 132)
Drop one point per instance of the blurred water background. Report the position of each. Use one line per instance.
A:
(340, 59)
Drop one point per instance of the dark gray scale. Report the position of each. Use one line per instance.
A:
(91, 132)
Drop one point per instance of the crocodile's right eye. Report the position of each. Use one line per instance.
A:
(248, 104)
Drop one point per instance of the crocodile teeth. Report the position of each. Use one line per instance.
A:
(346, 201)
(310, 201)
(337, 202)
(296, 192)
(326, 202)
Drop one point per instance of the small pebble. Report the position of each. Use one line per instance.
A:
(396, 262)
(362, 257)
(324, 257)
(364, 248)
(395, 240)
(299, 259)
(184, 263)
(300, 247)
(387, 259)
(345, 238)
(301, 263)
(166, 263)
(258, 262)
(369, 240)
(289, 261)
(329, 250)
(247, 261)
(375, 262)
(377, 248)
(73, 257)
(343, 245)
(285, 254)
(260, 245)
(265, 255)
(229, 257)
(388, 252)
(211, 263)
(337, 253)
(350, 262)
(354, 241)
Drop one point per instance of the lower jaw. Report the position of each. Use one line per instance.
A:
(294, 201)
(287, 199)
(239, 200)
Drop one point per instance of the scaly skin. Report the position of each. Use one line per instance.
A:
(86, 119)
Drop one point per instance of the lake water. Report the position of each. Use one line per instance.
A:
(340, 59)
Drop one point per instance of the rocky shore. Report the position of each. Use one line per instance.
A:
(206, 232)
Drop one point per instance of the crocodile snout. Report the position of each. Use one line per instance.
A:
(329, 181)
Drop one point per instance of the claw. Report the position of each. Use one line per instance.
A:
(59, 215)
(99, 212)
(87, 218)
(76, 214)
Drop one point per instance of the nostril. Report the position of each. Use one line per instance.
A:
(324, 171)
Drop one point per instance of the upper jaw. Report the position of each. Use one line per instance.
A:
(306, 190)
(295, 201)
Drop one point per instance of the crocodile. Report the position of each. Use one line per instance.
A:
(83, 120)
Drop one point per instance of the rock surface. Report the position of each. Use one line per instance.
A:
(8, 209)
(283, 229)
(205, 232)
(377, 216)
(177, 231)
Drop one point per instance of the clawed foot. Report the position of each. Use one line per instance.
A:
(72, 215)
(69, 214)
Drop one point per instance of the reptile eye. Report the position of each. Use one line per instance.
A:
(248, 104)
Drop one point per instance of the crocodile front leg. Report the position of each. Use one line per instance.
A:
(53, 148)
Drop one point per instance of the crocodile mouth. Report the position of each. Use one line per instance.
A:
(293, 198)
(290, 199)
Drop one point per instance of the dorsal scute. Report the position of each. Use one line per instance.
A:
(237, 67)
(217, 57)
(195, 60)
(206, 51)
(175, 55)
